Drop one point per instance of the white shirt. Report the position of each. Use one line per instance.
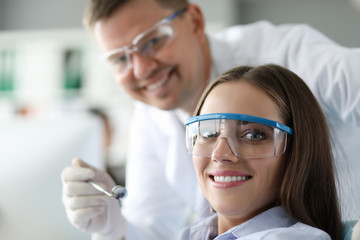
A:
(161, 181)
(272, 224)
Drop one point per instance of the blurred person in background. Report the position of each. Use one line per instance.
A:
(116, 172)
(163, 59)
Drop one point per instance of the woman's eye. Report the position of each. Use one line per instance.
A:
(254, 136)
(209, 135)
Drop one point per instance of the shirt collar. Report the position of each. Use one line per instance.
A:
(275, 217)
(205, 229)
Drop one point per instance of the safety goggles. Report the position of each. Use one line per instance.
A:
(246, 136)
(147, 44)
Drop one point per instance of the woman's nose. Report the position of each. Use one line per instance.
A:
(224, 151)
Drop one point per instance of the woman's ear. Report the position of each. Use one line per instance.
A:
(197, 20)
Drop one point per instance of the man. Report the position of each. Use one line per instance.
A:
(163, 59)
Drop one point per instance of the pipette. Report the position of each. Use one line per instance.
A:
(118, 192)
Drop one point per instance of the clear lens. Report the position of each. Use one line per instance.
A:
(147, 44)
(119, 60)
(245, 139)
(154, 39)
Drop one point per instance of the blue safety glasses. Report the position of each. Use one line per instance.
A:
(246, 136)
(147, 44)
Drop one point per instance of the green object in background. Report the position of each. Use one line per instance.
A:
(72, 70)
(7, 62)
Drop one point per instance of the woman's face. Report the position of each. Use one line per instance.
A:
(238, 201)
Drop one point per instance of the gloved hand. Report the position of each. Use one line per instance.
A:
(87, 208)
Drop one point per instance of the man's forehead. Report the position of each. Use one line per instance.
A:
(128, 22)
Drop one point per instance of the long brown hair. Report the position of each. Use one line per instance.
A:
(308, 192)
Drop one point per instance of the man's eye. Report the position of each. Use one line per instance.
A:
(121, 59)
(118, 60)
(153, 41)
(150, 44)
(154, 44)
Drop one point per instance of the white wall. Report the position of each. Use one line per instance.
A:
(219, 13)
(338, 19)
(40, 14)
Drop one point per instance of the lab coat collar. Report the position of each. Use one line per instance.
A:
(221, 56)
(215, 57)
(218, 51)
(182, 115)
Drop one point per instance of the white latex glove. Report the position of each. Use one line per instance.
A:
(87, 208)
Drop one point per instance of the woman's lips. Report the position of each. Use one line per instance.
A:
(225, 179)
(230, 178)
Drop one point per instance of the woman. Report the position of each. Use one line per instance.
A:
(262, 154)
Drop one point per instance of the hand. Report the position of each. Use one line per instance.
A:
(87, 208)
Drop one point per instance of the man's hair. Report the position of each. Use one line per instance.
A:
(102, 9)
(308, 191)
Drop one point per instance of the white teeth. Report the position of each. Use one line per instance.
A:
(157, 84)
(230, 178)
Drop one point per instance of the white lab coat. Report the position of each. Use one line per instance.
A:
(272, 224)
(161, 181)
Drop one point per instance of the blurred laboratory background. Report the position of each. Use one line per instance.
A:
(58, 101)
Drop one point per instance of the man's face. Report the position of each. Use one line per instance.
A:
(176, 75)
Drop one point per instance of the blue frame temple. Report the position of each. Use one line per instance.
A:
(242, 117)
